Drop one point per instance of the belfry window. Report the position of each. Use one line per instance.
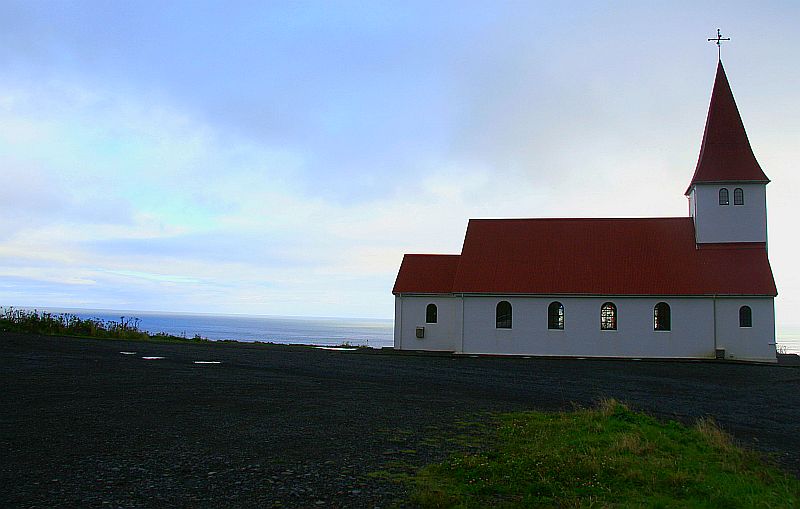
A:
(661, 317)
(608, 316)
(431, 313)
(503, 315)
(745, 316)
(555, 316)
(738, 196)
(724, 199)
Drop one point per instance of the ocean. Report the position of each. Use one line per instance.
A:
(373, 332)
(788, 339)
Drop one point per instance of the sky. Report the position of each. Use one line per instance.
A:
(279, 158)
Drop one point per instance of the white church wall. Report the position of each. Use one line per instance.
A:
(729, 223)
(691, 334)
(443, 335)
(749, 343)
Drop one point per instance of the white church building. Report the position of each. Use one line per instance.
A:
(680, 287)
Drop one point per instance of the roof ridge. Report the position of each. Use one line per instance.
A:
(430, 254)
(581, 218)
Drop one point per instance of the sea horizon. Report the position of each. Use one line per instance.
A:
(58, 309)
(288, 329)
(311, 330)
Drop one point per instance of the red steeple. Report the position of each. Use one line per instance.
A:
(725, 155)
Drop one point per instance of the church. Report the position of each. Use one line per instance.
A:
(696, 287)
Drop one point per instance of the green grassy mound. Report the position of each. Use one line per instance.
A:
(609, 456)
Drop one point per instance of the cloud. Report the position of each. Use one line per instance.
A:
(136, 204)
(281, 158)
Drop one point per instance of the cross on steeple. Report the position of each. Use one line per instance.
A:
(719, 39)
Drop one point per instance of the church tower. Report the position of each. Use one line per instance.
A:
(728, 192)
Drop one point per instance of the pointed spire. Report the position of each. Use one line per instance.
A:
(725, 155)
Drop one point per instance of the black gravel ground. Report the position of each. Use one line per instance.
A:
(82, 425)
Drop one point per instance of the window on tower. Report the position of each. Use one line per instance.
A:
(723, 197)
(738, 196)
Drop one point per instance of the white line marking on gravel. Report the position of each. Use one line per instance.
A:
(128, 353)
(207, 362)
(152, 358)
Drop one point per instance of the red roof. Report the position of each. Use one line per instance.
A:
(424, 273)
(725, 154)
(655, 256)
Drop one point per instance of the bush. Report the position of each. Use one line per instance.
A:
(68, 324)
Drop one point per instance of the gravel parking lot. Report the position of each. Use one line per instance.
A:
(83, 424)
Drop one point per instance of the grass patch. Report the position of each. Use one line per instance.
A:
(67, 324)
(608, 456)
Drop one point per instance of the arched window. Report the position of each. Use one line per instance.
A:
(555, 316)
(723, 197)
(430, 313)
(661, 317)
(608, 316)
(738, 196)
(503, 315)
(745, 316)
